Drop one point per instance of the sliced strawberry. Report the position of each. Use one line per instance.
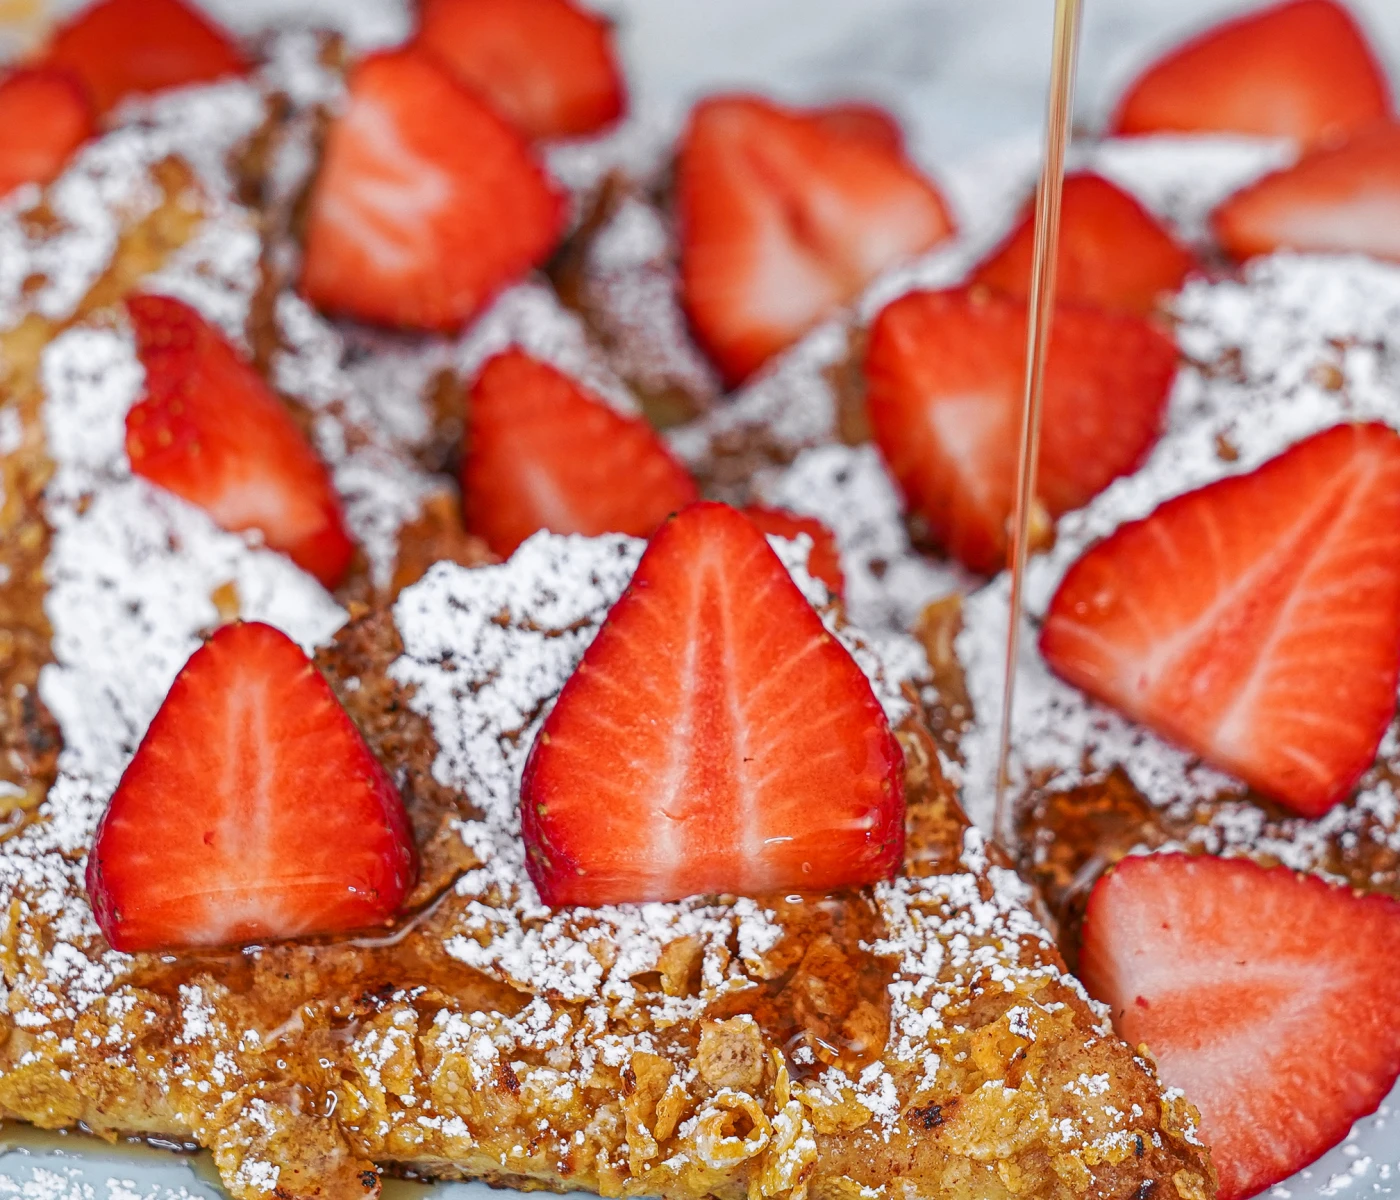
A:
(1269, 998)
(715, 738)
(1338, 200)
(1301, 69)
(547, 66)
(945, 379)
(45, 115)
(252, 810)
(824, 562)
(1113, 252)
(864, 122)
(545, 453)
(427, 202)
(1256, 620)
(783, 221)
(211, 431)
(122, 47)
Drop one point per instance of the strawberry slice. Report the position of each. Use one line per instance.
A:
(945, 376)
(715, 738)
(1256, 621)
(427, 202)
(46, 114)
(1113, 252)
(252, 810)
(211, 431)
(122, 47)
(1338, 200)
(824, 562)
(547, 66)
(1268, 997)
(783, 220)
(864, 122)
(545, 453)
(1302, 69)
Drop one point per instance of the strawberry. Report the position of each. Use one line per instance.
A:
(1268, 997)
(863, 121)
(252, 810)
(945, 378)
(1338, 200)
(545, 453)
(45, 115)
(1256, 621)
(782, 220)
(824, 562)
(427, 202)
(1113, 252)
(211, 431)
(715, 738)
(121, 47)
(1301, 69)
(547, 66)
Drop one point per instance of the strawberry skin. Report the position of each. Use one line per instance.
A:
(824, 562)
(1255, 621)
(210, 430)
(124, 47)
(544, 453)
(783, 220)
(864, 122)
(252, 810)
(715, 738)
(944, 381)
(1113, 252)
(1268, 997)
(1301, 69)
(1338, 200)
(427, 202)
(46, 114)
(547, 66)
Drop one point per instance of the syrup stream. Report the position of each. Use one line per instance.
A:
(1042, 300)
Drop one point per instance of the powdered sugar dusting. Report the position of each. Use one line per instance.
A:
(888, 582)
(109, 185)
(1299, 344)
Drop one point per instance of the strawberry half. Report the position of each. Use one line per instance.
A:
(783, 220)
(124, 47)
(252, 810)
(544, 453)
(1113, 252)
(1302, 69)
(211, 431)
(1338, 200)
(944, 382)
(427, 202)
(824, 562)
(1268, 997)
(547, 66)
(1256, 621)
(715, 738)
(45, 114)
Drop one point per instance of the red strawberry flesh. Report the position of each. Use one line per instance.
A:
(715, 738)
(252, 810)
(45, 114)
(210, 430)
(1256, 620)
(1268, 997)
(824, 562)
(545, 453)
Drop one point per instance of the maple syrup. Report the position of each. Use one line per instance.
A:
(1058, 114)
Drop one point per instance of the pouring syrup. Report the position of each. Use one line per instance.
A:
(1042, 299)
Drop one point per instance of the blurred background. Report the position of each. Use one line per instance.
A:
(963, 74)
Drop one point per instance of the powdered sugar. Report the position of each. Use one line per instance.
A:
(1296, 346)
(888, 582)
